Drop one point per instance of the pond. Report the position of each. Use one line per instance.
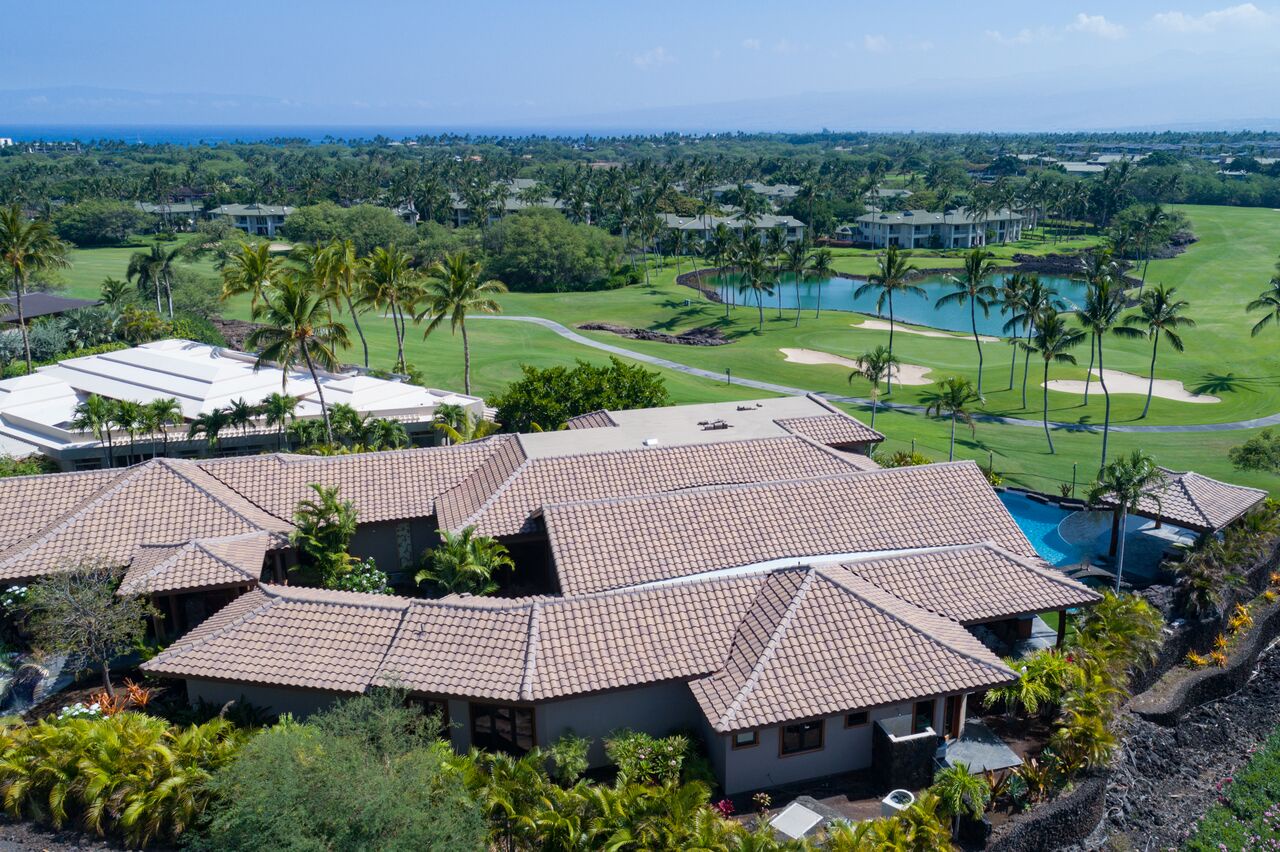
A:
(838, 295)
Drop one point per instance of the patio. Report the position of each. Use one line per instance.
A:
(981, 750)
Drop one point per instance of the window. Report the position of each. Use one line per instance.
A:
(746, 739)
(857, 720)
(922, 718)
(801, 737)
(437, 707)
(502, 728)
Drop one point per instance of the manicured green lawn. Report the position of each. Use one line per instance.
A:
(1229, 265)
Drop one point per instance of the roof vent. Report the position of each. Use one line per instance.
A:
(650, 442)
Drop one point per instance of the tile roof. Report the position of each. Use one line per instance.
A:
(974, 583)
(385, 486)
(1198, 502)
(833, 430)
(821, 641)
(31, 501)
(532, 483)
(160, 501)
(612, 543)
(197, 564)
(788, 644)
(591, 420)
(330, 641)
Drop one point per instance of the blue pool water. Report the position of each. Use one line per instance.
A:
(838, 295)
(1039, 522)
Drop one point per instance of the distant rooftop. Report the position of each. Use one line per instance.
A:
(40, 305)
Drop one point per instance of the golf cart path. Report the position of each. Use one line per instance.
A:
(771, 387)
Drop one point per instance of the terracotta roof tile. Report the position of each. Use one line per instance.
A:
(591, 420)
(613, 543)
(30, 502)
(974, 583)
(834, 430)
(197, 564)
(1198, 502)
(534, 482)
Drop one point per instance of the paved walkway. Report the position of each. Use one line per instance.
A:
(771, 387)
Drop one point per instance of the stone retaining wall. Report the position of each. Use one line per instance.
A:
(1064, 821)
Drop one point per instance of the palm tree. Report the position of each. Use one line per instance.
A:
(387, 277)
(1268, 300)
(449, 417)
(254, 270)
(241, 413)
(1039, 298)
(469, 429)
(874, 366)
(960, 793)
(113, 293)
(149, 269)
(456, 287)
(756, 272)
(1099, 271)
(339, 269)
(721, 245)
(210, 424)
(821, 268)
(1148, 227)
(796, 261)
(95, 414)
(952, 399)
(278, 410)
(1053, 339)
(27, 248)
(1161, 315)
(892, 276)
(297, 326)
(1126, 482)
(974, 286)
(464, 563)
(1013, 301)
(160, 414)
(130, 417)
(775, 246)
(1101, 314)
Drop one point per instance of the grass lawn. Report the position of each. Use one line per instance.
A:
(1229, 265)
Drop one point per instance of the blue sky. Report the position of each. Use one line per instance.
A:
(536, 62)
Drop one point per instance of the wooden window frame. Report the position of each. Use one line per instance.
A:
(866, 720)
(822, 738)
(737, 746)
(533, 720)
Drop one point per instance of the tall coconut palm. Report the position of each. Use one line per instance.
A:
(721, 244)
(95, 414)
(387, 272)
(755, 271)
(775, 246)
(456, 286)
(1148, 229)
(974, 286)
(796, 262)
(160, 414)
(892, 276)
(296, 326)
(1099, 270)
(27, 248)
(254, 270)
(1101, 316)
(1039, 298)
(340, 268)
(278, 410)
(130, 418)
(821, 269)
(1160, 314)
(952, 399)
(241, 413)
(1013, 303)
(1269, 301)
(1052, 339)
(146, 268)
(874, 366)
(1126, 482)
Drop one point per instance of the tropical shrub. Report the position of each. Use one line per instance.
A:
(126, 774)
(363, 575)
(543, 399)
(370, 773)
(1043, 680)
(464, 563)
(568, 758)
(324, 527)
(960, 793)
(903, 458)
(645, 759)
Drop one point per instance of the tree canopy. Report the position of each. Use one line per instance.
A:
(546, 398)
(542, 251)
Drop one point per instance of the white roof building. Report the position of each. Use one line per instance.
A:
(35, 410)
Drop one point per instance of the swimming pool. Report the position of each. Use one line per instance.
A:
(1039, 522)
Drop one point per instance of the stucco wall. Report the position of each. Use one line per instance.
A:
(299, 702)
(659, 710)
(382, 543)
(844, 750)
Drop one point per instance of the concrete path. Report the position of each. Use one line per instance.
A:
(771, 387)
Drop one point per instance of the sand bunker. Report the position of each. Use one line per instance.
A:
(1118, 382)
(903, 374)
(899, 328)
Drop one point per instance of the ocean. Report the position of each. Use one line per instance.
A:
(183, 134)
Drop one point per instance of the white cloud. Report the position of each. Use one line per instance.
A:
(1244, 15)
(785, 46)
(1022, 36)
(751, 43)
(875, 43)
(1096, 25)
(653, 58)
